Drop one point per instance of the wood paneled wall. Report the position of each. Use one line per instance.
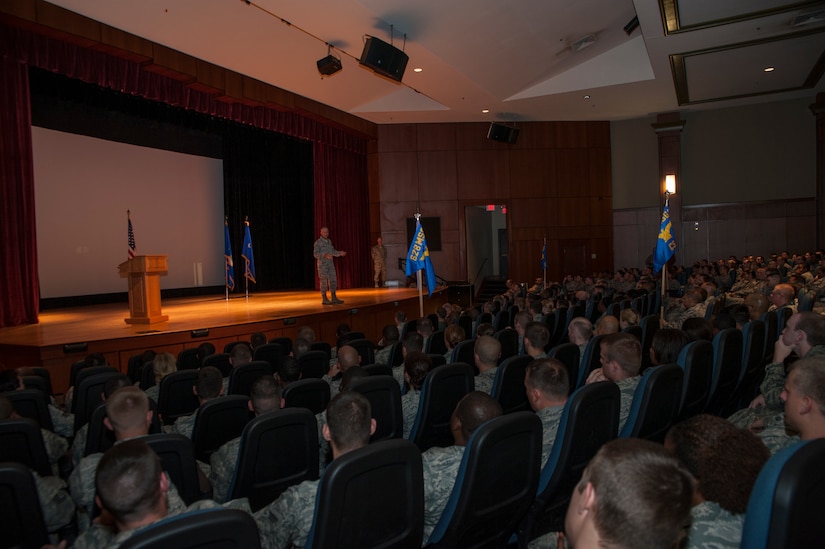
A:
(555, 182)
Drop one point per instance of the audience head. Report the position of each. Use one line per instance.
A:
(94, 359)
(520, 322)
(536, 335)
(209, 384)
(803, 331)
(241, 354)
(547, 383)
(128, 413)
(349, 422)
(621, 356)
(163, 365)
(698, 329)
(629, 317)
(722, 321)
(205, 349)
(666, 345)
(606, 325)
(389, 335)
(782, 295)
(300, 347)
(723, 459)
(487, 351)
(416, 367)
(757, 305)
(307, 333)
(265, 395)
(471, 411)
(114, 383)
(348, 357)
(485, 329)
(804, 397)
(580, 330)
(424, 326)
(131, 485)
(633, 494)
(257, 339)
(412, 342)
(400, 317)
(741, 315)
(454, 335)
(289, 371)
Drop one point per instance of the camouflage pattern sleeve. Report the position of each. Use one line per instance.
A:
(223, 463)
(627, 389)
(63, 421)
(409, 409)
(713, 527)
(440, 470)
(550, 418)
(287, 520)
(57, 505)
(772, 386)
(56, 445)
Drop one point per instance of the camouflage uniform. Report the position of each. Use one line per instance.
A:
(334, 384)
(183, 425)
(398, 374)
(102, 536)
(550, 418)
(63, 422)
(223, 463)
(153, 392)
(79, 444)
(627, 388)
(440, 470)
(775, 435)
(409, 409)
(57, 505)
(713, 527)
(324, 449)
(56, 446)
(326, 268)
(677, 316)
(286, 521)
(379, 263)
(382, 356)
(484, 380)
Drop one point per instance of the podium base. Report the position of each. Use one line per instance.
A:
(146, 320)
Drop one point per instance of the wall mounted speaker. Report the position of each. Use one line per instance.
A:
(329, 65)
(503, 133)
(384, 58)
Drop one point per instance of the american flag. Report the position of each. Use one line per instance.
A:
(132, 251)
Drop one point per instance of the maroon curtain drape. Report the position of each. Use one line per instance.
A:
(19, 295)
(342, 204)
(341, 155)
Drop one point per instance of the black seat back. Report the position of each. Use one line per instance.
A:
(23, 524)
(271, 353)
(655, 405)
(727, 365)
(33, 404)
(509, 343)
(222, 528)
(568, 354)
(177, 457)
(88, 394)
(175, 396)
(365, 348)
(218, 421)
(312, 394)
(384, 395)
(508, 386)
(696, 360)
(22, 442)
(219, 361)
(313, 364)
(243, 376)
(442, 389)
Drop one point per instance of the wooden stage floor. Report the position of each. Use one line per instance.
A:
(64, 336)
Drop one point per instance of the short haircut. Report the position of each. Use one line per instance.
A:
(582, 326)
(424, 326)
(307, 333)
(413, 341)
(265, 394)
(740, 314)
(813, 324)
(417, 365)
(240, 354)
(488, 349)
(114, 383)
(209, 382)
(723, 321)
(204, 350)
(643, 494)
(257, 339)
(724, 459)
(163, 364)
(810, 379)
(400, 316)
(550, 376)
(474, 409)
(348, 418)
(300, 347)
(289, 369)
(454, 335)
(485, 329)
(625, 349)
(523, 318)
(667, 344)
(126, 409)
(390, 334)
(128, 480)
(698, 329)
(348, 357)
(630, 316)
(538, 334)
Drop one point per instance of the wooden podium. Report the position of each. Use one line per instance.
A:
(144, 272)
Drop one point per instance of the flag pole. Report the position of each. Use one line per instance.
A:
(545, 261)
(664, 280)
(418, 277)
(225, 269)
(246, 278)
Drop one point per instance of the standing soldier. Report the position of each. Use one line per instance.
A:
(324, 252)
(379, 261)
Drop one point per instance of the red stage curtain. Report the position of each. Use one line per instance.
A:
(18, 279)
(343, 155)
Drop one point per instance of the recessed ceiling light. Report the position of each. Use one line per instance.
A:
(417, 69)
(769, 69)
(485, 111)
(587, 96)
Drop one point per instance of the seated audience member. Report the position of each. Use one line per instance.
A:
(416, 367)
(289, 371)
(411, 342)
(208, 386)
(485, 328)
(621, 358)
(606, 325)
(256, 340)
(82, 435)
(240, 355)
(162, 365)
(424, 326)
(325, 451)
(486, 353)
(400, 322)
(666, 345)
(804, 398)
(698, 329)
(453, 335)
(692, 305)
(286, 521)
(441, 464)
(633, 494)
(757, 304)
(205, 349)
(264, 396)
(579, 331)
(134, 492)
(741, 315)
(62, 426)
(389, 338)
(536, 337)
(629, 317)
(547, 383)
(58, 507)
(803, 334)
(724, 462)
(307, 333)
(347, 358)
(520, 322)
(783, 296)
(722, 321)
(300, 347)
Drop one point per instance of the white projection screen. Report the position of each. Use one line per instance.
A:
(83, 187)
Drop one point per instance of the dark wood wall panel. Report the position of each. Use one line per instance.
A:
(399, 176)
(572, 172)
(483, 175)
(437, 175)
(436, 137)
(532, 174)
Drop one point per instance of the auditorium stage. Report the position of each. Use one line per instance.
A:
(64, 336)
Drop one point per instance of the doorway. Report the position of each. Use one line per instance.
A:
(487, 245)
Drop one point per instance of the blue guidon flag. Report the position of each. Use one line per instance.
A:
(666, 244)
(249, 267)
(227, 255)
(419, 257)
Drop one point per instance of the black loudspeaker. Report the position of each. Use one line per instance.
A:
(384, 58)
(329, 65)
(503, 133)
(460, 293)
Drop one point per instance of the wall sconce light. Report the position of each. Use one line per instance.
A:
(670, 183)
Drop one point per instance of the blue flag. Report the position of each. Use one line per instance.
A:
(419, 257)
(227, 255)
(249, 267)
(666, 244)
(543, 261)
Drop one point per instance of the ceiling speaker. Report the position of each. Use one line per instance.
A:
(503, 133)
(384, 58)
(329, 65)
